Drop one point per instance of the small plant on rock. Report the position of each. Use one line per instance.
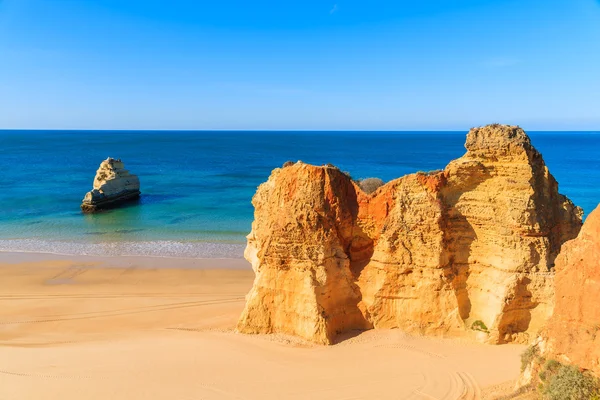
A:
(530, 354)
(479, 326)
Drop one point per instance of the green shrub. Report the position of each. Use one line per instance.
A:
(479, 326)
(369, 185)
(552, 366)
(567, 382)
(528, 356)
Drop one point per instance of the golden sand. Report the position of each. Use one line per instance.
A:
(156, 328)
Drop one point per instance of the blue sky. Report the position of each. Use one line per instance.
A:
(340, 64)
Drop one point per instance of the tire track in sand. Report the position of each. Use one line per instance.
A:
(44, 376)
(463, 385)
(140, 310)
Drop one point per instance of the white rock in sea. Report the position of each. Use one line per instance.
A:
(113, 185)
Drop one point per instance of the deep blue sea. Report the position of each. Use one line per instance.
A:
(197, 186)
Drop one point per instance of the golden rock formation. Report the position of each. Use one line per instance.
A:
(573, 332)
(113, 185)
(438, 253)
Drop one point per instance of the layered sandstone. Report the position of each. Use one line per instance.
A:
(505, 224)
(573, 333)
(304, 224)
(429, 253)
(113, 185)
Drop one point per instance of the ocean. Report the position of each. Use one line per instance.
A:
(197, 186)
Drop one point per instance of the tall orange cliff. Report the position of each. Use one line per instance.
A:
(573, 333)
(428, 253)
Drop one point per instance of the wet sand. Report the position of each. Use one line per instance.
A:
(76, 327)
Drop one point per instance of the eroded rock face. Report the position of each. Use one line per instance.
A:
(113, 185)
(428, 253)
(505, 224)
(304, 223)
(573, 332)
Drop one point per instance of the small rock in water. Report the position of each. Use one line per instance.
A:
(113, 185)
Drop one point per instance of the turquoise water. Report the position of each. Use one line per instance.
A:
(197, 186)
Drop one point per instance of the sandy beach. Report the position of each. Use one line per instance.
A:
(74, 327)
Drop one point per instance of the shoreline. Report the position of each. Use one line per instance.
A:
(126, 248)
(124, 261)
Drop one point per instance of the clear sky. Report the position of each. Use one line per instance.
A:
(310, 64)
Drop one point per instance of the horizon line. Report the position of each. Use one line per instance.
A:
(276, 130)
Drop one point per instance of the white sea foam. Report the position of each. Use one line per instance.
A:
(160, 248)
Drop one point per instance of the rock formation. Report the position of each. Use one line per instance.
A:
(573, 332)
(113, 185)
(473, 245)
